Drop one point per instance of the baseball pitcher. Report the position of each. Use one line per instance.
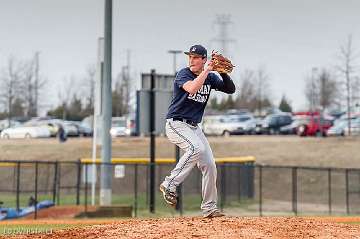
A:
(192, 87)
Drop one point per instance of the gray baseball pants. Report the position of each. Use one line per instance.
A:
(192, 140)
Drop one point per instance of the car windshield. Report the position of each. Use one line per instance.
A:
(341, 123)
(118, 123)
(243, 119)
(301, 119)
(232, 119)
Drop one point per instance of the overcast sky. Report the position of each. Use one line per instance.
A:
(286, 37)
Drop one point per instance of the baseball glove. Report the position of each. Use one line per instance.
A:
(221, 64)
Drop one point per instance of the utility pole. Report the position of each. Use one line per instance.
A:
(177, 149)
(106, 167)
(223, 40)
(223, 21)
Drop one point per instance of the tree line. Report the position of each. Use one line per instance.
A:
(23, 92)
(326, 88)
(22, 89)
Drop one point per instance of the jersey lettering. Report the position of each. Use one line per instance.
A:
(202, 95)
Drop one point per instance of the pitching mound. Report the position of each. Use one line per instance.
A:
(226, 227)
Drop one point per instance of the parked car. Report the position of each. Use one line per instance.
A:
(5, 124)
(341, 127)
(313, 124)
(22, 132)
(354, 126)
(338, 129)
(69, 127)
(258, 124)
(293, 127)
(119, 127)
(83, 128)
(53, 128)
(228, 124)
(273, 122)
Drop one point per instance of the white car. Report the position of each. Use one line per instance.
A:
(119, 127)
(22, 132)
(229, 124)
(69, 128)
(340, 128)
(5, 124)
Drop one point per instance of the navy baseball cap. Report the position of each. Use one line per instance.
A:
(197, 50)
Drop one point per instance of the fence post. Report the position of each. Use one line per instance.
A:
(86, 183)
(55, 180)
(58, 183)
(147, 186)
(239, 180)
(36, 188)
(329, 184)
(78, 182)
(260, 190)
(347, 190)
(294, 190)
(18, 186)
(222, 186)
(135, 189)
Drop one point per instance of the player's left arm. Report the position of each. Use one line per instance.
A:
(225, 85)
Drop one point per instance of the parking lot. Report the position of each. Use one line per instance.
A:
(275, 150)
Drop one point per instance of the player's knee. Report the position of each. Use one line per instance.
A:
(209, 169)
(212, 168)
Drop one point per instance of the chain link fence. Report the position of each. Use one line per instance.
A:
(243, 188)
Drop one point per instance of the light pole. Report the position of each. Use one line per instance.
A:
(177, 149)
(106, 167)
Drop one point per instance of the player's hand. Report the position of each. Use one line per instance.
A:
(210, 66)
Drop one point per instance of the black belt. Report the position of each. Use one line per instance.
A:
(192, 123)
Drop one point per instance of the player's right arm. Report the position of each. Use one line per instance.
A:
(193, 86)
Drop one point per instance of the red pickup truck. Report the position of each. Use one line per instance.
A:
(312, 124)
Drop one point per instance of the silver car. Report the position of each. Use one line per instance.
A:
(340, 128)
(229, 124)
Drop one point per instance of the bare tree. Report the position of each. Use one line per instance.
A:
(246, 96)
(312, 90)
(27, 87)
(10, 81)
(321, 90)
(347, 70)
(126, 86)
(328, 89)
(66, 93)
(39, 84)
(122, 93)
(355, 91)
(89, 86)
(254, 91)
(263, 92)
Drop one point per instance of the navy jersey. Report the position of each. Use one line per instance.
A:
(191, 106)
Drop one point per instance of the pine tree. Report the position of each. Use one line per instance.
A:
(285, 105)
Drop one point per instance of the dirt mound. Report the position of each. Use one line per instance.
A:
(196, 227)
